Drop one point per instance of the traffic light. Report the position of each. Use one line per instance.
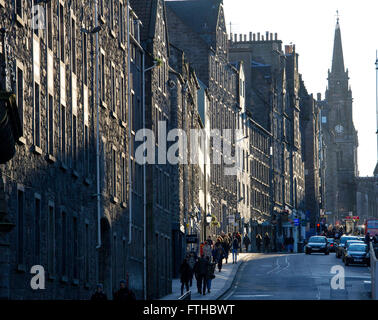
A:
(318, 227)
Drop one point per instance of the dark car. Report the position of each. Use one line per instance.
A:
(341, 244)
(357, 253)
(346, 246)
(317, 244)
(332, 246)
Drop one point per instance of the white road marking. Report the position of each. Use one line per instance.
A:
(252, 295)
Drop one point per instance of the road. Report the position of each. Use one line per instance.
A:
(297, 277)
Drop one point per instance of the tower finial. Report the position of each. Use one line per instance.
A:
(338, 16)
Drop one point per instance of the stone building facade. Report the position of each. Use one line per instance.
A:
(273, 84)
(51, 183)
(203, 23)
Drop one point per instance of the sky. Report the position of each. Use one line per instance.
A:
(310, 25)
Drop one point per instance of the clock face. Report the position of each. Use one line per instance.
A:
(339, 128)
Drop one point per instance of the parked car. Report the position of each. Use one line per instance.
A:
(341, 244)
(357, 253)
(317, 244)
(347, 244)
(332, 244)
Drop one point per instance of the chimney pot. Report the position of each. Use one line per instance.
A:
(250, 36)
(240, 37)
(254, 37)
(271, 36)
(245, 38)
(267, 35)
(275, 36)
(258, 36)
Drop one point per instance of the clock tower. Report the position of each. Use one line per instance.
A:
(340, 139)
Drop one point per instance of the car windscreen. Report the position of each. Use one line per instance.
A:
(358, 248)
(317, 240)
(345, 239)
(331, 240)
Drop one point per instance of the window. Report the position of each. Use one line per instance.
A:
(49, 26)
(122, 97)
(121, 23)
(20, 227)
(113, 87)
(86, 252)
(123, 177)
(74, 141)
(86, 150)
(111, 15)
(85, 59)
(37, 115)
(50, 125)
(51, 239)
(64, 243)
(61, 31)
(20, 92)
(19, 8)
(75, 248)
(37, 230)
(63, 132)
(73, 46)
(114, 258)
(102, 76)
(114, 173)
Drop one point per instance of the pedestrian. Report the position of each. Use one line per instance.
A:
(192, 261)
(258, 242)
(201, 248)
(185, 273)
(219, 255)
(200, 270)
(209, 241)
(238, 236)
(99, 295)
(210, 275)
(226, 247)
(246, 242)
(375, 239)
(367, 238)
(235, 247)
(291, 244)
(124, 293)
(266, 242)
(207, 250)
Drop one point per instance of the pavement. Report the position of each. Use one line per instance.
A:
(299, 277)
(222, 282)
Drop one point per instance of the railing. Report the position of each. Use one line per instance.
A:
(186, 296)
(374, 271)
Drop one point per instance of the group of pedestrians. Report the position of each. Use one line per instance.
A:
(211, 257)
(123, 294)
(265, 241)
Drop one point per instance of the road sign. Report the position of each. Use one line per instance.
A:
(296, 222)
(191, 238)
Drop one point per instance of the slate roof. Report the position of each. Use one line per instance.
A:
(200, 15)
(144, 10)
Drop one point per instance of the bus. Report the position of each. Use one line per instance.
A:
(371, 226)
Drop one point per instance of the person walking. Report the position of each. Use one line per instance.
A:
(238, 236)
(266, 242)
(99, 295)
(185, 273)
(367, 238)
(246, 242)
(258, 242)
(124, 293)
(291, 244)
(192, 261)
(207, 250)
(210, 275)
(219, 255)
(209, 241)
(200, 270)
(226, 247)
(235, 247)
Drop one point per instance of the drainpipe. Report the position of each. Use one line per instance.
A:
(98, 140)
(144, 185)
(129, 126)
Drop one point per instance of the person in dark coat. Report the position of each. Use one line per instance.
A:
(200, 269)
(258, 242)
(219, 255)
(99, 295)
(246, 242)
(367, 238)
(192, 261)
(124, 293)
(210, 275)
(266, 242)
(226, 247)
(186, 274)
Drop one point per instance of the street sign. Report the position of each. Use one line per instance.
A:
(231, 219)
(191, 238)
(296, 222)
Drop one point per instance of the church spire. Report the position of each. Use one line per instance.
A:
(338, 57)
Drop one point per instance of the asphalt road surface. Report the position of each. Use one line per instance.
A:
(297, 277)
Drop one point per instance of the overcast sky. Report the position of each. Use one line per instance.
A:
(310, 25)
